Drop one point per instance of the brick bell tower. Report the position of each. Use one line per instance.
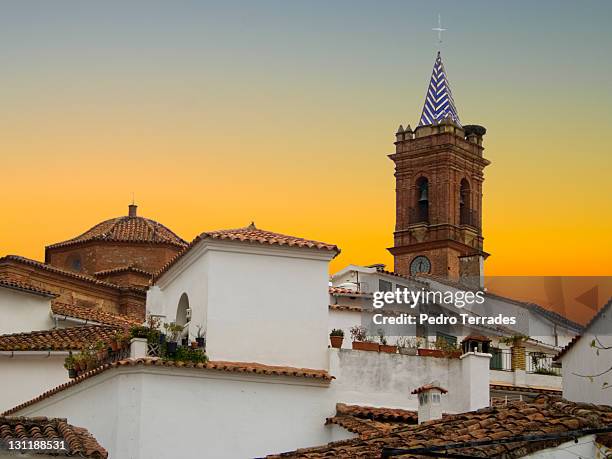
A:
(439, 173)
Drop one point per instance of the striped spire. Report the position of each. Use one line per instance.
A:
(439, 103)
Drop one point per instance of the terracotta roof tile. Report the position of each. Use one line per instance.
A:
(92, 315)
(530, 389)
(123, 269)
(78, 440)
(252, 235)
(233, 367)
(427, 387)
(547, 415)
(84, 277)
(576, 338)
(9, 281)
(377, 414)
(60, 339)
(126, 229)
(346, 292)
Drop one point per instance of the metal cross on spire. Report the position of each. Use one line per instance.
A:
(439, 29)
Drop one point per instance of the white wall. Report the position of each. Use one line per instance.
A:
(585, 448)
(386, 380)
(582, 359)
(25, 377)
(23, 312)
(141, 412)
(259, 304)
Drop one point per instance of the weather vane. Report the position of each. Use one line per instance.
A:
(439, 29)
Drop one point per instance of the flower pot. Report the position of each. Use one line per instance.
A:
(201, 341)
(114, 345)
(365, 346)
(430, 352)
(336, 341)
(77, 366)
(162, 338)
(171, 347)
(388, 348)
(72, 373)
(408, 350)
(194, 345)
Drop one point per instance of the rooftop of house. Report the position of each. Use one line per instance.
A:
(546, 415)
(59, 339)
(601, 313)
(78, 440)
(128, 228)
(9, 262)
(230, 367)
(95, 315)
(252, 235)
(14, 283)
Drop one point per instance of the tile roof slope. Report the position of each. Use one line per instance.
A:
(59, 339)
(64, 272)
(122, 269)
(12, 282)
(368, 421)
(251, 234)
(126, 229)
(551, 315)
(93, 315)
(79, 441)
(548, 415)
(232, 367)
(575, 339)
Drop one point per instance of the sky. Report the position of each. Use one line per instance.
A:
(215, 114)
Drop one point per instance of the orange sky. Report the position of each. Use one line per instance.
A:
(214, 117)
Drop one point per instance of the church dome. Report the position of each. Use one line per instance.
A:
(124, 250)
(129, 228)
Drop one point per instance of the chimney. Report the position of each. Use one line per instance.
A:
(475, 373)
(132, 210)
(430, 401)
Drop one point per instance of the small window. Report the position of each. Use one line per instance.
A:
(450, 339)
(435, 399)
(384, 286)
(74, 263)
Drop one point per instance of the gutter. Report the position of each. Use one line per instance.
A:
(64, 318)
(13, 354)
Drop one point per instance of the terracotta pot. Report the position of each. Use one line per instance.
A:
(114, 345)
(194, 345)
(365, 346)
(388, 348)
(336, 341)
(430, 352)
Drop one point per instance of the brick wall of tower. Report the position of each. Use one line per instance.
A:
(444, 156)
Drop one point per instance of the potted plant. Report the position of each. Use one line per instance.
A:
(101, 350)
(201, 337)
(408, 346)
(428, 349)
(173, 331)
(69, 365)
(384, 346)
(361, 342)
(78, 363)
(336, 337)
(194, 344)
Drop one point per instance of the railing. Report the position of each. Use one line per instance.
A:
(418, 215)
(469, 217)
(542, 364)
(501, 360)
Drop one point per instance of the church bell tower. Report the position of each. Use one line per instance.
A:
(439, 173)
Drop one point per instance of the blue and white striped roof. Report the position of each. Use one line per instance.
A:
(439, 103)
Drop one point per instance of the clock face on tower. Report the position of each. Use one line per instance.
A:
(420, 264)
